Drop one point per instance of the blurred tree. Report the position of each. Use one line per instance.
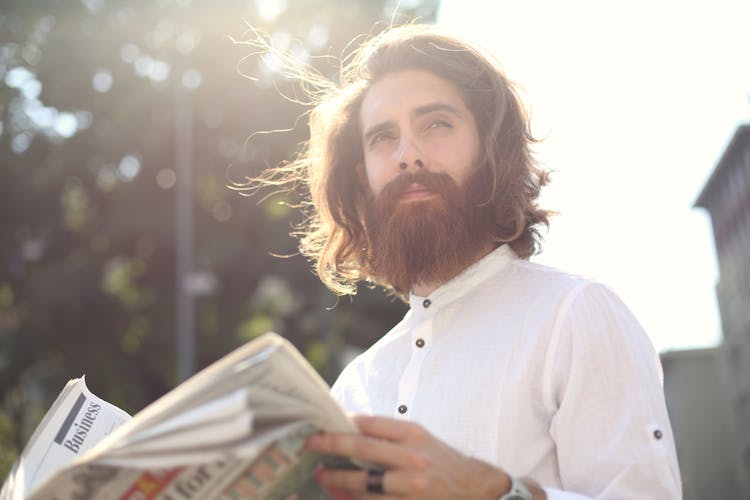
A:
(88, 117)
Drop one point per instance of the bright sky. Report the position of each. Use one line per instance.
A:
(637, 100)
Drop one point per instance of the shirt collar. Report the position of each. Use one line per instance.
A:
(467, 280)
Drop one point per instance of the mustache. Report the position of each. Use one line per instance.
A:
(438, 182)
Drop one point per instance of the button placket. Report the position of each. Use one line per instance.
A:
(421, 335)
(409, 382)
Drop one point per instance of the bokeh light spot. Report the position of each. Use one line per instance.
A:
(32, 249)
(106, 178)
(84, 119)
(102, 80)
(159, 71)
(318, 36)
(166, 178)
(20, 142)
(93, 5)
(277, 208)
(31, 88)
(17, 76)
(281, 40)
(42, 116)
(269, 10)
(186, 42)
(128, 168)
(66, 124)
(129, 52)
(76, 206)
(191, 79)
(143, 65)
(222, 211)
(46, 23)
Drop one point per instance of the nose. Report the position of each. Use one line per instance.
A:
(409, 155)
(417, 163)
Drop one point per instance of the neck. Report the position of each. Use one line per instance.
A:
(425, 289)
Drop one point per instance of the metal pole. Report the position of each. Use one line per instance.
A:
(183, 127)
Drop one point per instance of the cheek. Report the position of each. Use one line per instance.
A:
(454, 161)
(462, 158)
(376, 174)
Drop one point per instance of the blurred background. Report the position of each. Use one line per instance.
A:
(125, 257)
(122, 122)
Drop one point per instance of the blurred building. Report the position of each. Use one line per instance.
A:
(726, 196)
(698, 405)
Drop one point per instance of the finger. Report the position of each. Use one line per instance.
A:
(350, 481)
(395, 482)
(366, 448)
(389, 428)
(337, 494)
(333, 492)
(353, 483)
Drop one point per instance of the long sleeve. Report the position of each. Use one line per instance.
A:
(611, 427)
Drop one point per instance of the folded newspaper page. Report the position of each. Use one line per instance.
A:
(235, 430)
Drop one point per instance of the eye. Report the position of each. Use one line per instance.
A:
(381, 137)
(439, 124)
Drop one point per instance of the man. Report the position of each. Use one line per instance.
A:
(505, 379)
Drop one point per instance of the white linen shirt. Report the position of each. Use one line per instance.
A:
(541, 373)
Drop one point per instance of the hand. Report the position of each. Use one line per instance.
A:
(418, 465)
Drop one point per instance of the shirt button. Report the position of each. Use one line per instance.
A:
(427, 303)
(420, 343)
(658, 434)
(402, 409)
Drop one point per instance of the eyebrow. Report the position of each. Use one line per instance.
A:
(417, 112)
(434, 106)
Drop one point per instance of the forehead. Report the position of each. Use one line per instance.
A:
(402, 92)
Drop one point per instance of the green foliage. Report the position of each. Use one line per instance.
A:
(6, 296)
(255, 327)
(7, 447)
(93, 96)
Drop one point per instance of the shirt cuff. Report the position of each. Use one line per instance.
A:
(553, 494)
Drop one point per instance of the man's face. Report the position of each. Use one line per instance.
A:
(421, 146)
(415, 120)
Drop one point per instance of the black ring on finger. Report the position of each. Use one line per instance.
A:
(375, 481)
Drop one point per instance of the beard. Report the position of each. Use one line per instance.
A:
(426, 241)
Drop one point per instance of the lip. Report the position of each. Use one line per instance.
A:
(417, 192)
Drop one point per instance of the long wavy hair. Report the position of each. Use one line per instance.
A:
(329, 168)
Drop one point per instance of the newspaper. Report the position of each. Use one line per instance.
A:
(235, 430)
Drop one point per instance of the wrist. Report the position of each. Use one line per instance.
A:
(517, 488)
(536, 491)
(498, 483)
